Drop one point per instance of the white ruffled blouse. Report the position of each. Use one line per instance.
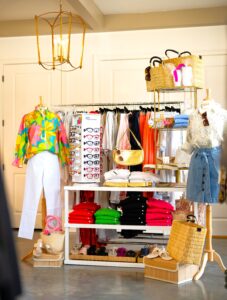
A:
(200, 136)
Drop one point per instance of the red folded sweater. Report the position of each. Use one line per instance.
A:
(82, 212)
(158, 210)
(151, 202)
(159, 217)
(87, 205)
(160, 223)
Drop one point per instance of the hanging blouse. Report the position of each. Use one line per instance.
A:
(41, 130)
(206, 127)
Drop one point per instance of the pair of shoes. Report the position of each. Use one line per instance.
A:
(121, 251)
(83, 250)
(144, 251)
(75, 250)
(101, 251)
(112, 251)
(91, 250)
(130, 253)
(158, 252)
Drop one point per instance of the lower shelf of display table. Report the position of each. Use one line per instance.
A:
(103, 263)
(149, 229)
(88, 187)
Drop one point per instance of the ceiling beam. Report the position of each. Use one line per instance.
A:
(89, 12)
(167, 19)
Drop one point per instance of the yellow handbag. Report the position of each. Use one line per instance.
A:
(129, 157)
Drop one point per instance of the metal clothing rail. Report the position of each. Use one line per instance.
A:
(117, 104)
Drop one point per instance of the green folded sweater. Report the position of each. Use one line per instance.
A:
(111, 222)
(108, 212)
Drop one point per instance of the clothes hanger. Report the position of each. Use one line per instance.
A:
(207, 100)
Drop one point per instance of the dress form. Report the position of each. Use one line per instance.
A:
(209, 253)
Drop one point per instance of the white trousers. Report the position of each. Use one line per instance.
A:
(43, 172)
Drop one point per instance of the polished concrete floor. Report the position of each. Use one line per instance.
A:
(105, 283)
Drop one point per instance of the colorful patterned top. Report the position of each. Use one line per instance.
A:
(41, 131)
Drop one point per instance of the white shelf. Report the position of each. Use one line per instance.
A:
(85, 187)
(149, 229)
(103, 263)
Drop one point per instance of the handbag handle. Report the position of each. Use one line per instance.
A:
(171, 50)
(138, 143)
(192, 218)
(155, 59)
(185, 52)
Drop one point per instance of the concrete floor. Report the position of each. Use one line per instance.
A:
(100, 283)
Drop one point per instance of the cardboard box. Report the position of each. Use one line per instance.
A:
(169, 271)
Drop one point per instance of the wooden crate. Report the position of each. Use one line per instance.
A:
(169, 271)
(103, 258)
(48, 260)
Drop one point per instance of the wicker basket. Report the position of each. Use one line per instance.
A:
(161, 77)
(186, 242)
(48, 260)
(55, 240)
(170, 271)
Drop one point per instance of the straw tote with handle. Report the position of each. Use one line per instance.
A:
(129, 157)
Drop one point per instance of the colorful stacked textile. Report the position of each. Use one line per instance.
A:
(181, 121)
(107, 216)
(159, 213)
(83, 213)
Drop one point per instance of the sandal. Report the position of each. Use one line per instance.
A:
(83, 250)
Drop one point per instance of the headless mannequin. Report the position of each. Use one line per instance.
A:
(209, 253)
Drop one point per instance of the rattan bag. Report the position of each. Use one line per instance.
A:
(186, 242)
(161, 71)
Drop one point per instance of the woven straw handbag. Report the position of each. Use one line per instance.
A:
(186, 242)
(161, 75)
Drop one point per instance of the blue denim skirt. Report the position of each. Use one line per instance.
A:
(203, 175)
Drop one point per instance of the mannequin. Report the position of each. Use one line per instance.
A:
(204, 137)
(41, 141)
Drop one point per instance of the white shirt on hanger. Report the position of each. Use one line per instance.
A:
(201, 135)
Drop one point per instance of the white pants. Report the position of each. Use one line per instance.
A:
(42, 173)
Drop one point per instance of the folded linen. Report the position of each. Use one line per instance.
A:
(136, 175)
(117, 173)
(185, 117)
(180, 125)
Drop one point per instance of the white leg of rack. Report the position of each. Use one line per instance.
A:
(66, 223)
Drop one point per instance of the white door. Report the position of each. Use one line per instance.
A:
(23, 84)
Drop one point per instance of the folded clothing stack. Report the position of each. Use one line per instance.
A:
(134, 210)
(117, 177)
(107, 216)
(181, 121)
(139, 177)
(159, 213)
(83, 213)
(123, 177)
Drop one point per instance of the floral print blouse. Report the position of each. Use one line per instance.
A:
(41, 130)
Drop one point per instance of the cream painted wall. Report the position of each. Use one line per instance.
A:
(114, 67)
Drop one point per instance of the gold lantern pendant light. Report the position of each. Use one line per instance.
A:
(59, 26)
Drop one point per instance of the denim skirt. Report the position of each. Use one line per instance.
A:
(203, 175)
